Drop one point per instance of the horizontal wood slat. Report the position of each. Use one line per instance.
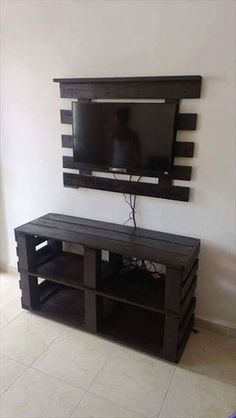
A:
(67, 141)
(181, 149)
(188, 281)
(178, 87)
(185, 121)
(177, 173)
(122, 186)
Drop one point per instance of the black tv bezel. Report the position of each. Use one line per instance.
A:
(125, 171)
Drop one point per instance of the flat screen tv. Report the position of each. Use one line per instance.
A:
(134, 138)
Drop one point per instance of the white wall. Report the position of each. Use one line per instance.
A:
(46, 39)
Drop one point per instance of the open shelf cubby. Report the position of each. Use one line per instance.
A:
(105, 296)
(134, 326)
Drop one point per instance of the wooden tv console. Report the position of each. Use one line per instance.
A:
(154, 315)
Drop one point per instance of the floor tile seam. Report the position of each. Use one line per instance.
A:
(77, 405)
(115, 403)
(27, 366)
(98, 373)
(167, 391)
(11, 320)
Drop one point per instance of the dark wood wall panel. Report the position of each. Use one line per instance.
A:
(177, 87)
(185, 121)
(181, 149)
(178, 172)
(170, 89)
(122, 186)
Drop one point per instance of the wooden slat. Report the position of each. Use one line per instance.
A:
(188, 298)
(185, 121)
(181, 149)
(67, 141)
(178, 87)
(131, 239)
(176, 260)
(177, 172)
(122, 186)
(182, 344)
(187, 318)
(111, 227)
(188, 281)
(66, 116)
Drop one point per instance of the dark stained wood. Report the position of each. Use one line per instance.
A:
(30, 293)
(182, 344)
(185, 121)
(121, 186)
(90, 320)
(136, 288)
(66, 305)
(189, 279)
(65, 268)
(124, 229)
(171, 336)
(173, 289)
(168, 249)
(136, 327)
(154, 315)
(67, 141)
(177, 172)
(92, 267)
(186, 320)
(181, 149)
(177, 87)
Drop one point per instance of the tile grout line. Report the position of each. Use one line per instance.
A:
(11, 320)
(116, 403)
(158, 414)
(87, 390)
(29, 366)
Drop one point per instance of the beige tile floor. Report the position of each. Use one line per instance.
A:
(50, 370)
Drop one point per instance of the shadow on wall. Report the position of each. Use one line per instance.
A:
(216, 264)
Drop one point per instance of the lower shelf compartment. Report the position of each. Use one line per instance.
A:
(135, 327)
(64, 304)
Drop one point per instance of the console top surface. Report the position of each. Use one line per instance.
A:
(175, 251)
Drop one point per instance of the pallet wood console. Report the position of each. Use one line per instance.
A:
(154, 315)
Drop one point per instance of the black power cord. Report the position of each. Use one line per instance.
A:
(133, 262)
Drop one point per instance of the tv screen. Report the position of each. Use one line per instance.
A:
(125, 137)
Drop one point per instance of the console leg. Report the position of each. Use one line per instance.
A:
(92, 267)
(30, 291)
(93, 310)
(170, 345)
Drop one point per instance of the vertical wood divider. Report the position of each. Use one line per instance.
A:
(92, 277)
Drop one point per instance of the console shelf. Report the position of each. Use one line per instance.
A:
(103, 297)
(136, 288)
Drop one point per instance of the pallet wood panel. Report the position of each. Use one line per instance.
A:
(177, 172)
(134, 309)
(184, 122)
(173, 87)
(170, 89)
(121, 186)
(157, 246)
(181, 149)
